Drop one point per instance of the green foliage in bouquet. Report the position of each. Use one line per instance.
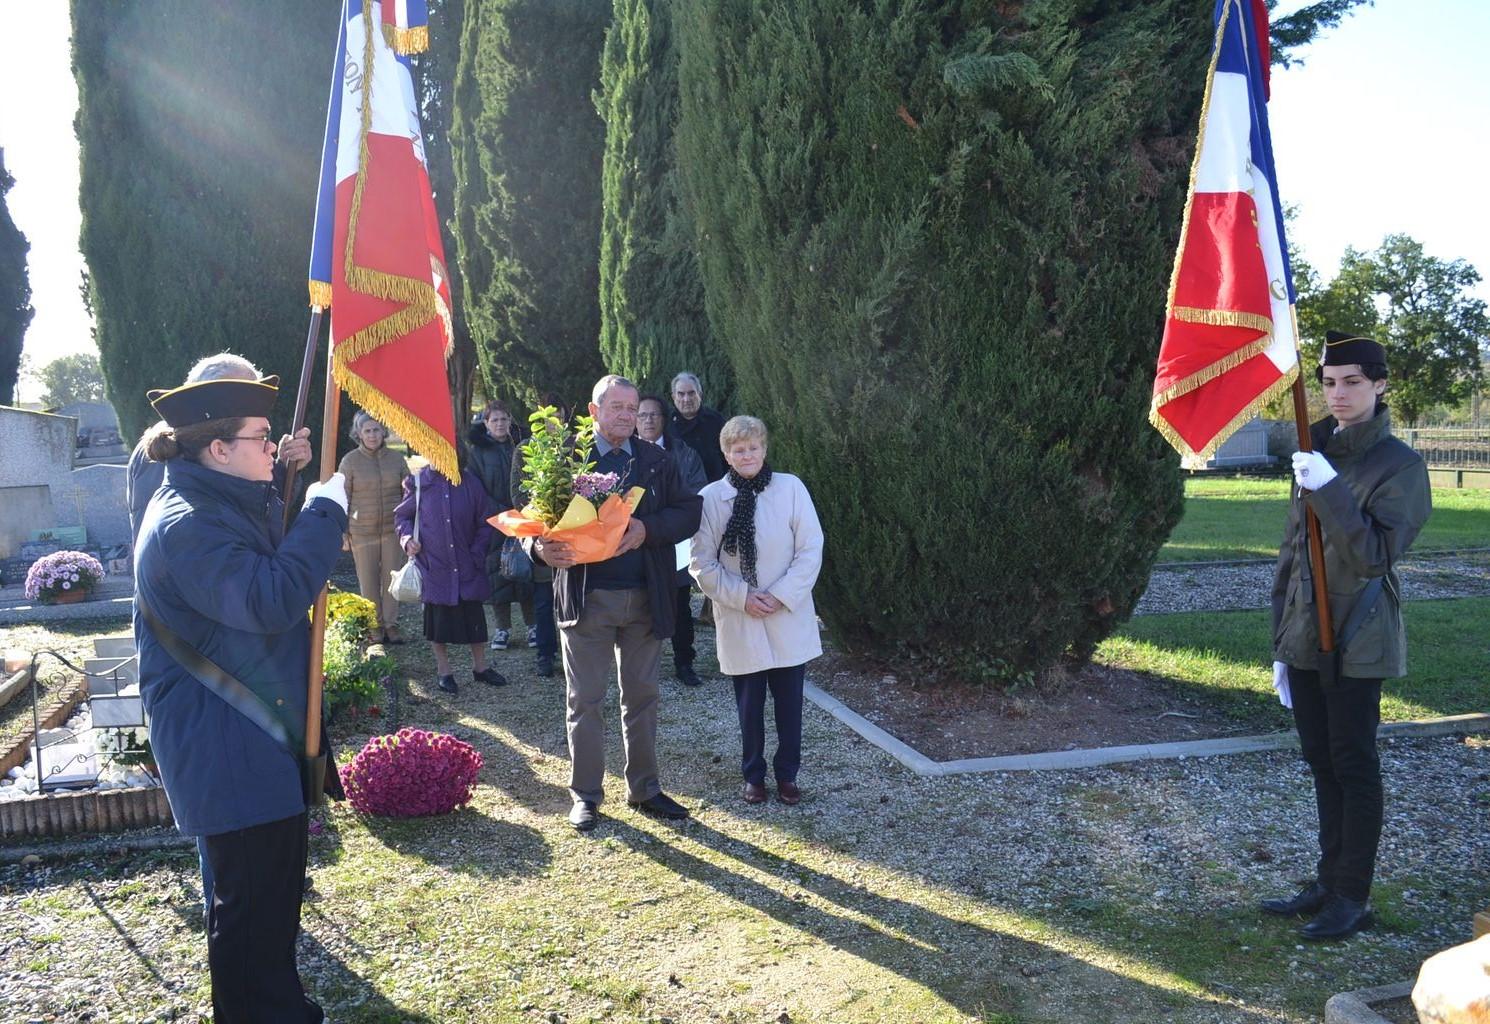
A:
(552, 457)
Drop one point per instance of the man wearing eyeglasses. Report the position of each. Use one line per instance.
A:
(651, 423)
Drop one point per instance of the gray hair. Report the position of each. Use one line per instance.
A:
(222, 366)
(362, 419)
(604, 384)
(741, 428)
(685, 375)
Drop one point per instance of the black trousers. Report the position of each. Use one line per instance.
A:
(785, 685)
(1337, 734)
(683, 631)
(258, 877)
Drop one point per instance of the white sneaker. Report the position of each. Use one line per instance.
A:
(532, 636)
(499, 640)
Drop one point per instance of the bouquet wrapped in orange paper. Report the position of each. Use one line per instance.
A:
(586, 510)
(593, 534)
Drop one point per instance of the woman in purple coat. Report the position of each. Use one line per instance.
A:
(450, 550)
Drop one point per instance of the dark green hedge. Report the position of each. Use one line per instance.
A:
(527, 146)
(652, 320)
(936, 240)
(200, 134)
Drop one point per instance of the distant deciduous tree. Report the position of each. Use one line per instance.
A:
(69, 379)
(15, 292)
(1418, 306)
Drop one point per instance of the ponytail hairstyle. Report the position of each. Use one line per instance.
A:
(164, 442)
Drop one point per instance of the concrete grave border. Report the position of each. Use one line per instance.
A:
(1094, 757)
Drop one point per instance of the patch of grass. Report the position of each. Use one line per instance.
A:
(1239, 518)
(1227, 657)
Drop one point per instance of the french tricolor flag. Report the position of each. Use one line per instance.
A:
(376, 257)
(1229, 341)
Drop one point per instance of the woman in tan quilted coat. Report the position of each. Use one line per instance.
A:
(374, 486)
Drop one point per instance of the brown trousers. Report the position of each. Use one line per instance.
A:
(614, 631)
(377, 558)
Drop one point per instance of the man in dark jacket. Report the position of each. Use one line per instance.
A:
(619, 611)
(696, 425)
(651, 419)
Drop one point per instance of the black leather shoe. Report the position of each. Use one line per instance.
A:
(449, 685)
(661, 806)
(1340, 919)
(688, 677)
(584, 816)
(490, 676)
(1309, 900)
(545, 666)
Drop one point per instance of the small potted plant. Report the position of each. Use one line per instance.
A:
(64, 577)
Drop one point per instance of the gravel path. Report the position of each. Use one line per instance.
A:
(1231, 587)
(1115, 894)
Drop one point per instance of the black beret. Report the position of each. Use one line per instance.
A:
(215, 400)
(1341, 349)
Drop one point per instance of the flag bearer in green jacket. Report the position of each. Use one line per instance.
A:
(1370, 493)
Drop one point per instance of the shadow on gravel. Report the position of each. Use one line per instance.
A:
(347, 997)
(467, 841)
(980, 971)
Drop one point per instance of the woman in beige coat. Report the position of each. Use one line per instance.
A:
(375, 478)
(756, 556)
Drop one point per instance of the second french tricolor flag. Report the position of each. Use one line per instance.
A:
(1229, 345)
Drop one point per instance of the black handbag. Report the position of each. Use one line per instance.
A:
(515, 566)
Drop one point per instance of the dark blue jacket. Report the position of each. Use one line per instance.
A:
(212, 565)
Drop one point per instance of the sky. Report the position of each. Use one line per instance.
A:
(1380, 131)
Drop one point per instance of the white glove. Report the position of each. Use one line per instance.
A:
(333, 487)
(1280, 683)
(1312, 470)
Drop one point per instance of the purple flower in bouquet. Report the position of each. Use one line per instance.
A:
(54, 574)
(411, 774)
(596, 487)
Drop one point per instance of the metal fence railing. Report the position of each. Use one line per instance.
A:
(1446, 447)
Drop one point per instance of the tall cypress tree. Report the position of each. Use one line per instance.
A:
(527, 149)
(200, 134)
(652, 319)
(936, 240)
(15, 292)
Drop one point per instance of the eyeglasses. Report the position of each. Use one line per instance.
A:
(265, 439)
(649, 415)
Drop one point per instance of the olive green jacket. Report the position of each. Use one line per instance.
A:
(1369, 516)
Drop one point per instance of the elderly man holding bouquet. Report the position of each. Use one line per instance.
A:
(618, 610)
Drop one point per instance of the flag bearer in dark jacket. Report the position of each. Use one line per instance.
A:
(618, 612)
(1371, 495)
(221, 591)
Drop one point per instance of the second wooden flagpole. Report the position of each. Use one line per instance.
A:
(330, 424)
(1315, 541)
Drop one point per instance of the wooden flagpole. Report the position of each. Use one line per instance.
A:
(330, 424)
(302, 401)
(1311, 521)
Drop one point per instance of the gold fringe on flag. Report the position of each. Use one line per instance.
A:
(1209, 373)
(1223, 318)
(411, 40)
(320, 293)
(1192, 459)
